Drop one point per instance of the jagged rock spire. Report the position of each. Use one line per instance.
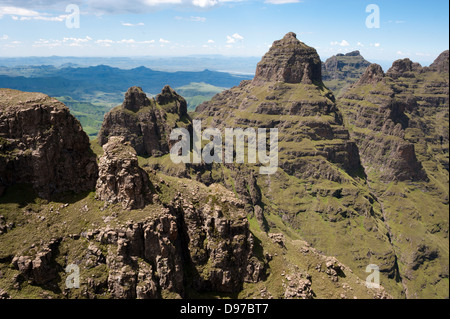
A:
(290, 61)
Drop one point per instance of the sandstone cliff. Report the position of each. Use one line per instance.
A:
(43, 144)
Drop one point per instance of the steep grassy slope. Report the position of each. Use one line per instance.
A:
(400, 123)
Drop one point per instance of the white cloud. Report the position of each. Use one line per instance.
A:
(105, 42)
(235, 37)
(282, 1)
(47, 43)
(211, 41)
(161, 2)
(127, 41)
(21, 14)
(403, 53)
(4, 37)
(109, 42)
(377, 45)
(164, 41)
(126, 24)
(15, 11)
(343, 43)
(204, 3)
(76, 42)
(191, 18)
(198, 19)
(360, 44)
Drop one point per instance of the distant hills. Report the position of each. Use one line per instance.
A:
(90, 92)
(170, 64)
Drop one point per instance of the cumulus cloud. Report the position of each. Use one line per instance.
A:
(211, 41)
(282, 1)
(76, 42)
(109, 6)
(234, 38)
(343, 43)
(109, 42)
(21, 14)
(163, 41)
(126, 24)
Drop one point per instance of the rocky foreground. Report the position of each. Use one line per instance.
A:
(363, 180)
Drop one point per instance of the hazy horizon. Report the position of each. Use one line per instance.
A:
(235, 28)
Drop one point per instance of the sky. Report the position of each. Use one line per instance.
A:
(415, 29)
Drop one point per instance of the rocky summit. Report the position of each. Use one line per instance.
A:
(342, 70)
(146, 123)
(361, 185)
(289, 61)
(43, 144)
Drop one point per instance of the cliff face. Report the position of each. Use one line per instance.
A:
(146, 123)
(43, 144)
(121, 180)
(379, 119)
(400, 123)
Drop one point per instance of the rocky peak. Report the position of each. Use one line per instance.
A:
(135, 99)
(441, 64)
(174, 102)
(290, 61)
(147, 130)
(353, 53)
(121, 180)
(403, 67)
(374, 74)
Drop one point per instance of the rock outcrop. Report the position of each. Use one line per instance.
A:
(441, 64)
(342, 70)
(43, 144)
(289, 61)
(403, 68)
(373, 74)
(121, 180)
(146, 123)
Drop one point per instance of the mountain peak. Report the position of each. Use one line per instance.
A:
(289, 60)
(374, 74)
(402, 67)
(353, 53)
(441, 64)
(135, 99)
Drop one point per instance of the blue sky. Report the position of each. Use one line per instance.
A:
(415, 29)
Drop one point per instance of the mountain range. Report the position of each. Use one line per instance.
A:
(362, 186)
